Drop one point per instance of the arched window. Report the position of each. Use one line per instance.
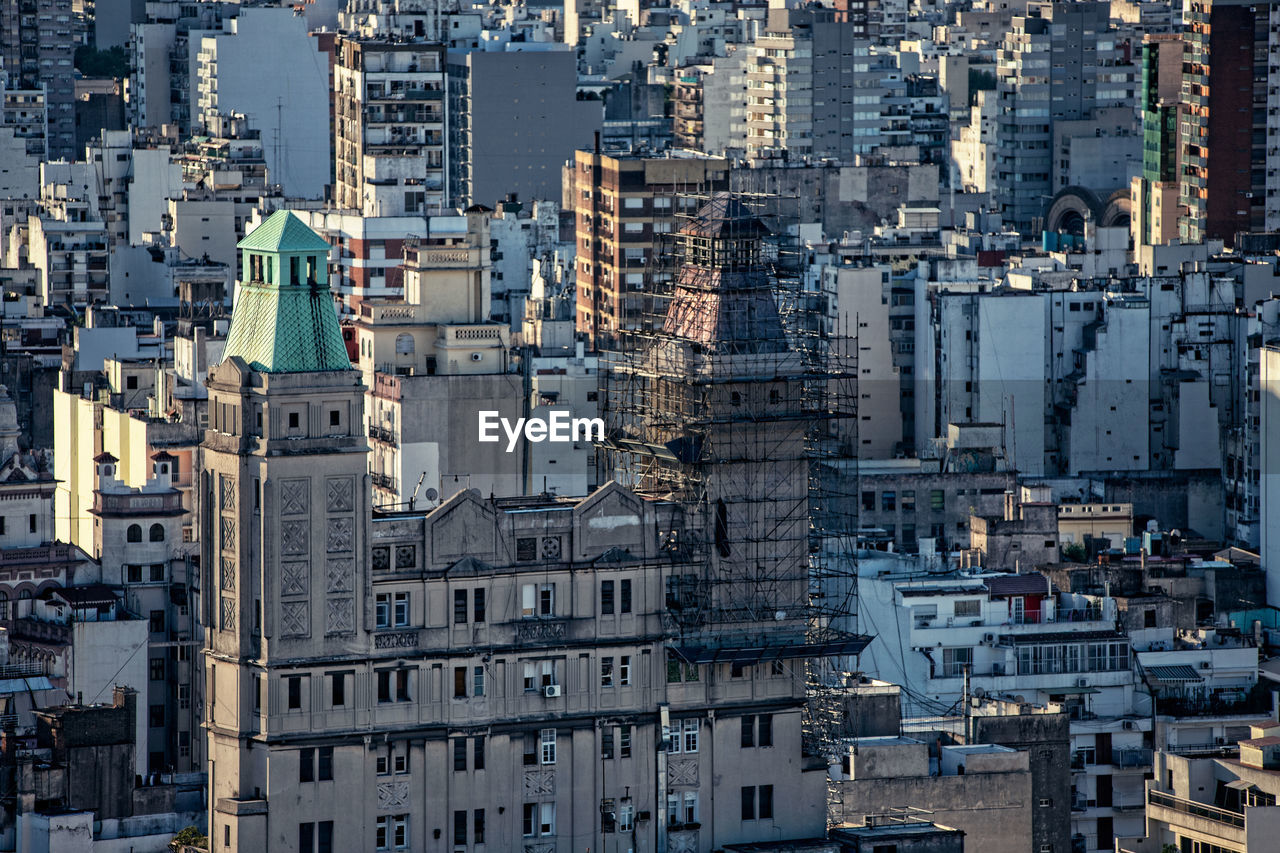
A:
(157, 533)
(404, 344)
(134, 533)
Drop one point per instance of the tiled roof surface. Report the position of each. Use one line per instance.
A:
(286, 328)
(283, 232)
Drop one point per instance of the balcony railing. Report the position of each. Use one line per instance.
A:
(1190, 807)
(540, 631)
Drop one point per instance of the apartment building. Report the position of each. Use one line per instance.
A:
(1155, 192)
(1215, 802)
(37, 45)
(516, 118)
(1230, 167)
(390, 126)
(264, 63)
(623, 205)
(493, 673)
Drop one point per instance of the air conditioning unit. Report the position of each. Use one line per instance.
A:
(1082, 682)
(477, 356)
(1221, 741)
(551, 691)
(1204, 664)
(1128, 725)
(989, 639)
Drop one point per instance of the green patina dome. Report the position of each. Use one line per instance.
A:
(284, 320)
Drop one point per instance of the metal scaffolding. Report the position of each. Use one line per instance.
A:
(732, 396)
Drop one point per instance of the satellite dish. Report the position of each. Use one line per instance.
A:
(432, 495)
(979, 692)
(780, 615)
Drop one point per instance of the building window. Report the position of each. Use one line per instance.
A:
(537, 600)
(133, 574)
(691, 735)
(888, 501)
(402, 685)
(459, 607)
(955, 660)
(392, 832)
(156, 534)
(748, 738)
(325, 841)
(968, 608)
(606, 672)
(294, 683)
(478, 605)
(477, 827)
(384, 685)
(606, 743)
(459, 682)
(132, 534)
(401, 613)
(626, 817)
(459, 754)
(382, 610)
(157, 621)
(606, 598)
(306, 765)
(157, 669)
(625, 602)
(624, 671)
(477, 681)
(460, 827)
(548, 741)
(624, 741)
(477, 752)
(337, 689)
(324, 764)
(749, 802)
(157, 573)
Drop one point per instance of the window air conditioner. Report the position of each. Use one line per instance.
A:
(552, 691)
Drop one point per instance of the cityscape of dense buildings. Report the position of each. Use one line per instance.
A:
(838, 426)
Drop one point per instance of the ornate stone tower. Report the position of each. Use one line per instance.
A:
(284, 518)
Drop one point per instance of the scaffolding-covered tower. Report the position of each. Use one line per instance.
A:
(727, 401)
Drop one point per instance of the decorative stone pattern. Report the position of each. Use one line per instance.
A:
(227, 580)
(293, 537)
(538, 783)
(550, 547)
(339, 574)
(295, 619)
(381, 558)
(683, 771)
(294, 496)
(228, 487)
(682, 841)
(406, 556)
(228, 534)
(338, 495)
(228, 621)
(294, 578)
(338, 535)
(540, 847)
(392, 795)
(338, 616)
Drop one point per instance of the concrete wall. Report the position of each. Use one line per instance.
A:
(106, 654)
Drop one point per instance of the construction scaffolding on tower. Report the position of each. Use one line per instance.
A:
(734, 395)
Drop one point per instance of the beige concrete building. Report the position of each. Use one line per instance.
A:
(985, 790)
(494, 674)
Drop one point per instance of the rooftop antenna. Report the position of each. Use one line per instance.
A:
(414, 497)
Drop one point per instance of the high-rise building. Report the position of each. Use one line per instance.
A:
(1047, 70)
(266, 65)
(1230, 141)
(389, 126)
(37, 45)
(515, 117)
(623, 205)
(1155, 192)
(816, 88)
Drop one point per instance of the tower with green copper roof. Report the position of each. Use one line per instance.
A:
(284, 320)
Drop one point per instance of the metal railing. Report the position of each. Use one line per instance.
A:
(1190, 807)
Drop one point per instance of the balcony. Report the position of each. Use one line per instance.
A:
(539, 632)
(1167, 807)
